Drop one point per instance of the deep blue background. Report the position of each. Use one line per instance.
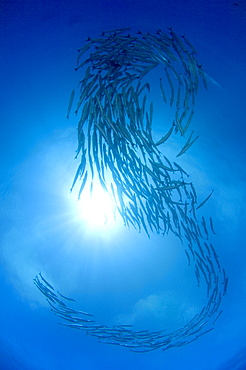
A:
(120, 274)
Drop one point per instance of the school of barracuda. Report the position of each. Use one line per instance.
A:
(150, 192)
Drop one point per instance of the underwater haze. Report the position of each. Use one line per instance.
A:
(89, 285)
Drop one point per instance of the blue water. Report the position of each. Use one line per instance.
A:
(117, 274)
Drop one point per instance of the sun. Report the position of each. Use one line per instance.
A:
(95, 209)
